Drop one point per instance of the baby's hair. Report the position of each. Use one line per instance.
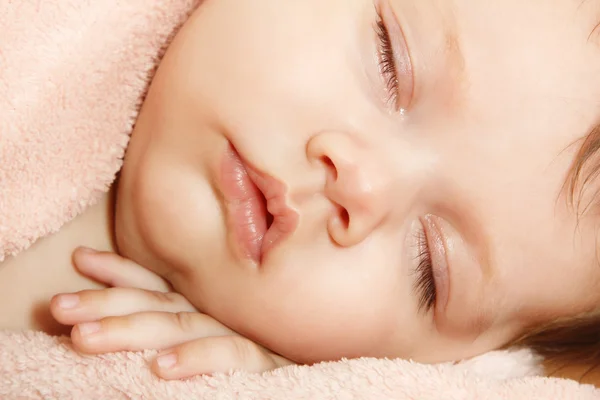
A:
(567, 341)
(575, 339)
(585, 169)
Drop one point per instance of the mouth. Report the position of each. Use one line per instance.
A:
(257, 214)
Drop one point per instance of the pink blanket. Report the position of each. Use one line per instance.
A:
(35, 366)
(72, 74)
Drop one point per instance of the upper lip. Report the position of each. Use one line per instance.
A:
(282, 221)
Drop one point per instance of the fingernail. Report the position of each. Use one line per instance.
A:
(68, 301)
(86, 250)
(167, 361)
(89, 328)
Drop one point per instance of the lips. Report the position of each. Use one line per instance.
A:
(257, 215)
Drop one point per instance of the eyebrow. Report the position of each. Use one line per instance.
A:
(453, 48)
(452, 53)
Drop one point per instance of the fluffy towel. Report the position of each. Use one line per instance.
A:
(72, 74)
(35, 366)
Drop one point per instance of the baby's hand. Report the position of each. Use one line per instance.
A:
(140, 312)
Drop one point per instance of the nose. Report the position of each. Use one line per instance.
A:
(358, 184)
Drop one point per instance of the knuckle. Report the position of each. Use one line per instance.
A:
(244, 350)
(185, 321)
(166, 297)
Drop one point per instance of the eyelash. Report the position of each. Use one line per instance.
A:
(387, 62)
(425, 284)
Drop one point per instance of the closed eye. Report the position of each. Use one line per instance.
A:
(425, 279)
(395, 65)
(387, 63)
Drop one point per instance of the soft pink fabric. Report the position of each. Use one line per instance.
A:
(72, 74)
(35, 366)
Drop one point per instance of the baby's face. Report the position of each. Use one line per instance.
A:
(414, 167)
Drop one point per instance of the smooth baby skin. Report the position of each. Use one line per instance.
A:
(424, 155)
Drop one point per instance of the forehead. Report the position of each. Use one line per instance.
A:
(534, 67)
(540, 53)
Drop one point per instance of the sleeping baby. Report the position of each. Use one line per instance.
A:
(349, 178)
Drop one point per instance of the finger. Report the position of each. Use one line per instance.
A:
(213, 355)
(114, 270)
(92, 305)
(142, 331)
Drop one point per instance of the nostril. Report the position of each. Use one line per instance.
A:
(338, 225)
(344, 218)
(330, 166)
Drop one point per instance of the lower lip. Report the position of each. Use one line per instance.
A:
(245, 191)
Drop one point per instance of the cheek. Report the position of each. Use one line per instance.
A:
(175, 210)
(323, 313)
